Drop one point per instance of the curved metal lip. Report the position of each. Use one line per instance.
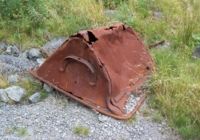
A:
(93, 106)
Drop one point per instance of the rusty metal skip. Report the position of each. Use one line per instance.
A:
(99, 68)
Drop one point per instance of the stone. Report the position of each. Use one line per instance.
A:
(51, 46)
(196, 52)
(12, 50)
(13, 78)
(2, 47)
(24, 54)
(35, 97)
(102, 118)
(110, 13)
(34, 53)
(157, 14)
(47, 88)
(15, 93)
(3, 96)
(40, 61)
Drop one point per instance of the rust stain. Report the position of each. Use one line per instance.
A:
(99, 68)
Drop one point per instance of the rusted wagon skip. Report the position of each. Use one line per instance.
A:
(99, 68)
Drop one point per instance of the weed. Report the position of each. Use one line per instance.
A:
(131, 120)
(81, 130)
(19, 131)
(3, 82)
(31, 86)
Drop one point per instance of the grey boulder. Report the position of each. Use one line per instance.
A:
(3, 96)
(15, 93)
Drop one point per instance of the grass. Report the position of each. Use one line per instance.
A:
(19, 131)
(175, 84)
(3, 82)
(31, 86)
(63, 17)
(81, 130)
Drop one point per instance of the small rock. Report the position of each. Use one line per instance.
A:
(102, 118)
(12, 50)
(40, 61)
(47, 88)
(3, 96)
(158, 14)
(34, 53)
(15, 93)
(110, 13)
(196, 53)
(2, 46)
(24, 54)
(13, 78)
(35, 97)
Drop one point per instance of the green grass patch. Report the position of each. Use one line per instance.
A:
(31, 23)
(81, 130)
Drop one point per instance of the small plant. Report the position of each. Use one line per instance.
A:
(157, 117)
(43, 94)
(131, 120)
(21, 131)
(31, 86)
(3, 82)
(81, 130)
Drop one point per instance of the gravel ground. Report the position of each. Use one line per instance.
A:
(56, 117)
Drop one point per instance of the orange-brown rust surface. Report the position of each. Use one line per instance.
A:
(99, 68)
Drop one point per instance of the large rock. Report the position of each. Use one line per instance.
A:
(35, 97)
(15, 93)
(196, 52)
(34, 54)
(3, 96)
(51, 46)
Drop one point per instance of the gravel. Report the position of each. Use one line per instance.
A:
(10, 64)
(57, 116)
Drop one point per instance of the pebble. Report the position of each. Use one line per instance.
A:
(12, 50)
(35, 97)
(40, 61)
(47, 88)
(34, 53)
